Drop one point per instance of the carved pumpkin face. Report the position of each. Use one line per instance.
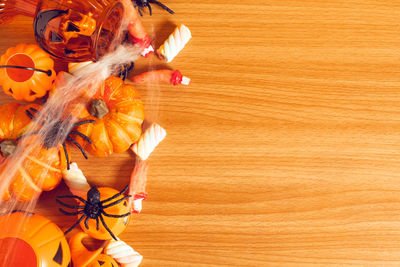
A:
(23, 84)
(81, 256)
(31, 240)
(78, 30)
(103, 261)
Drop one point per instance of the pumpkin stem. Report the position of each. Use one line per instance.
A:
(7, 147)
(98, 108)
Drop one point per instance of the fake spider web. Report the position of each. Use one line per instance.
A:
(86, 80)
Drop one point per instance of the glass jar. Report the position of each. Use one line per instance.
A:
(72, 30)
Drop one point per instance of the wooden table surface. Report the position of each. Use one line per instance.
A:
(284, 150)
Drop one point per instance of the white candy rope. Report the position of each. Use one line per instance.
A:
(175, 43)
(123, 253)
(76, 181)
(149, 141)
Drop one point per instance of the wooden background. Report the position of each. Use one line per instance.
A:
(285, 148)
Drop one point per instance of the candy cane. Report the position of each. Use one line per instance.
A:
(175, 43)
(76, 181)
(149, 141)
(123, 253)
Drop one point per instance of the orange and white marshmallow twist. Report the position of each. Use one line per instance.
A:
(149, 141)
(175, 43)
(76, 181)
(123, 253)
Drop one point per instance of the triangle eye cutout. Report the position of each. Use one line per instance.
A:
(59, 255)
(55, 37)
(72, 28)
(101, 262)
(125, 203)
(69, 52)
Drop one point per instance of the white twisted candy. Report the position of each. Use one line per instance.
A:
(175, 42)
(149, 141)
(75, 180)
(123, 253)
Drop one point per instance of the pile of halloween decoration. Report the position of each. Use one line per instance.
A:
(91, 106)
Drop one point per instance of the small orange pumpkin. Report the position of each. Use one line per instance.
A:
(103, 214)
(81, 256)
(103, 260)
(31, 240)
(41, 169)
(118, 114)
(116, 225)
(26, 84)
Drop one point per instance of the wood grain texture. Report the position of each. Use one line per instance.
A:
(284, 150)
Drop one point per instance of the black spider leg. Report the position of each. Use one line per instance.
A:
(86, 223)
(74, 197)
(32, 117)
(28, 134)
(29, 114)
(78, 146)
(115, 196)
(97, 224)
(123, 72)
(105, 226)
(71, 213)
(115, 216)
(148, 5)
(140, 11)
(75, 224)
(162, 6)
(83, 122)
(69, 206)
(66, 155)
(128, 68)
(116, 202)
(81, 135)
(34, 110)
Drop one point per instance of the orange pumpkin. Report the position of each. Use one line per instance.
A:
(41, 169)
(116, 225)
(31, 240)
(118, 114)
(103, 214)
(26, 84)
(103, 260)
(81, 256)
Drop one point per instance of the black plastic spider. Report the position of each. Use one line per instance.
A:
(140, 4)
(57, 132)
(93, 208)
(124, 69)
